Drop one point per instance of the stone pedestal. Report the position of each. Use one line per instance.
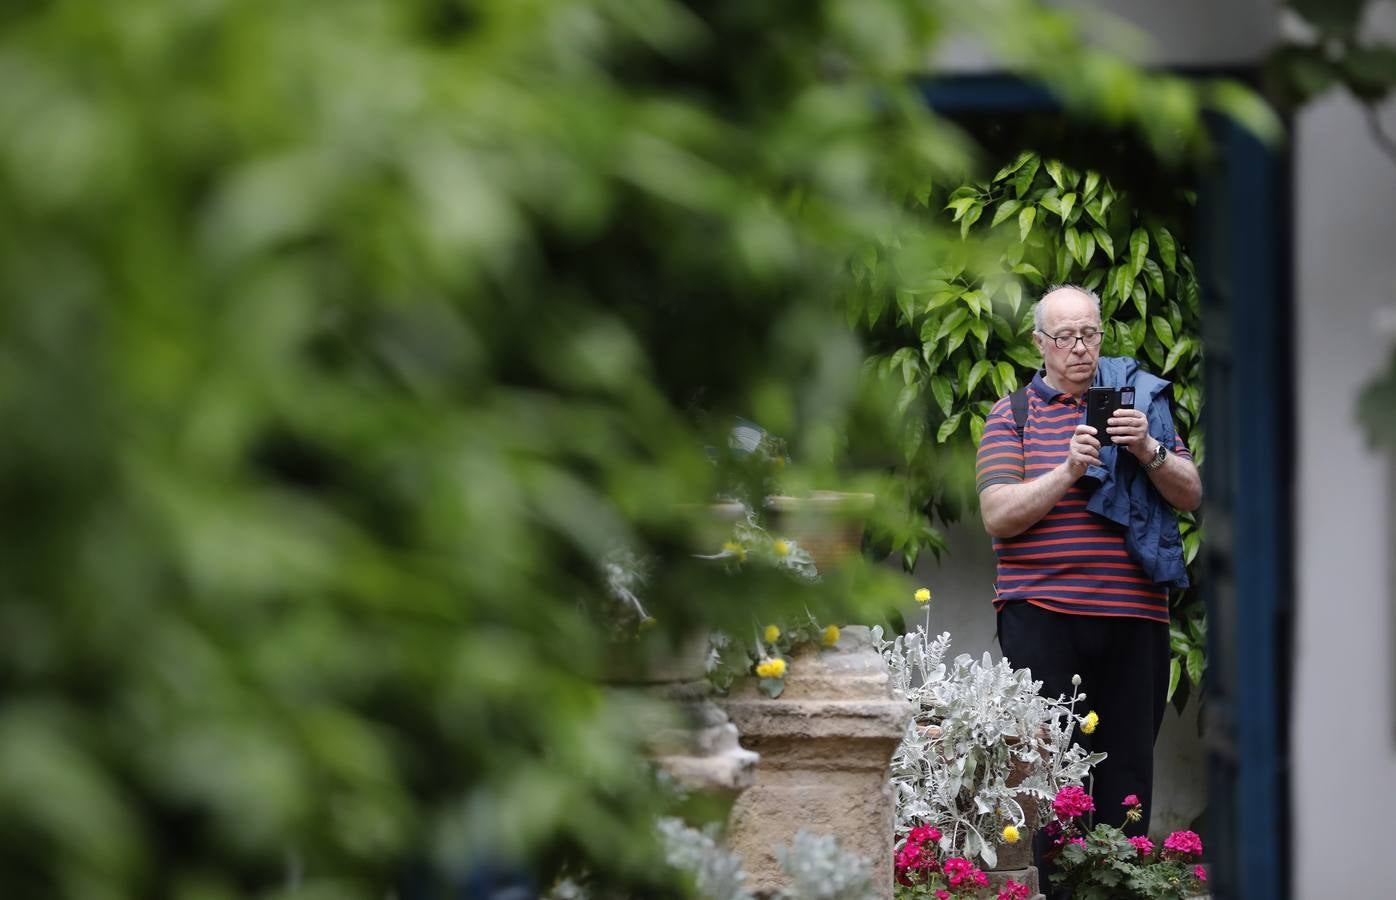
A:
(825, 745)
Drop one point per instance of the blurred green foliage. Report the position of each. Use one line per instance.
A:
(342, 340)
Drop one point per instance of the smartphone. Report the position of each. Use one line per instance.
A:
(1101, 403)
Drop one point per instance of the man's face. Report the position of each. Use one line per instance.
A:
(1069, 314)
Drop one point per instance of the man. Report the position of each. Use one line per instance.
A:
(1078, 593)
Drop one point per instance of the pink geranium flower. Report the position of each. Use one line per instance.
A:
(1072, 801)
(922, 833)
(1199, 873)
(1185, 843)
(1143, 845)
(942, 895)
(1131, 800)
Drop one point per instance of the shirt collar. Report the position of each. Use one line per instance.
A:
(1045, 391)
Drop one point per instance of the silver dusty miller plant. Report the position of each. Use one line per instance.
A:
(976, 722)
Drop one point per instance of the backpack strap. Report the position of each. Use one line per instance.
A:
(1019, 401)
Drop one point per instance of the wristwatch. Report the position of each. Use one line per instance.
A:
(1159, 456)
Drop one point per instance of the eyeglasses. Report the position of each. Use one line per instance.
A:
(1068, 341)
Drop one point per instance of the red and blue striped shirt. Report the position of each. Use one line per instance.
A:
(1071, 561)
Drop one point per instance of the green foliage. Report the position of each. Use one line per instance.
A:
(957, 336)
(344, 340)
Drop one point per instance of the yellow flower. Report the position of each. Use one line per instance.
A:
(772, 634)
(1010, 834)
(923, 595)
(831, 635)
(1090, 722)
(736, 550)
(782, 548)
(777, 668)
(763, 668)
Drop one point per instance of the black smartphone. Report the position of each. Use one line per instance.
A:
(1101, 403)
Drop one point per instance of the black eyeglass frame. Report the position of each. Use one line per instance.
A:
(1089, 339)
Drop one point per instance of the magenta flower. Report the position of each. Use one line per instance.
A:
(1185, 843)
(942, 895)
(1132, 800)
(1072, 801)
(1143, 845)
(922, 833)
(1199, 873)
(1014, 891)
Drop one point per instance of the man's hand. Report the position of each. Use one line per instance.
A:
(1130, 429)
(1084, 450)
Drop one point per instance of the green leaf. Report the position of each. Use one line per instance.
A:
(976, 428)
(1176, 353)
(948, 427)
(976, 375)
(957, 337)
(940, 298)
(1154, 276)
(1167, 248)
(1196, 664)
(961, 206)
(1163, 330)
(906, 304)
(1007, 376)
(1094, 279)
(970, 218)
(1024, 355)
(1102, 237)
(1013, 293)
(1175, 674)
(1014, 166)
(1025, 219)
(980, 329)
(1067, 203)
(922, 193)
(1141, 299)
(1137, 330)
(1022, 182)
(951, 321)
(975, 300)
(1030, 271)
(944, 393)
(1006, 209)
(1054, 169)
(1122, 281)
(1096, 213)
(1073, 243)
(1087, 242)
(1092, 182)
(1138, 250)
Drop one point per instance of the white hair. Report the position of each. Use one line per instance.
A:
(1037, 307)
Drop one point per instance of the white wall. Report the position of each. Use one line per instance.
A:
(1342, 730)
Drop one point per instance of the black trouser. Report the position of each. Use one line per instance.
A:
(1123, 664)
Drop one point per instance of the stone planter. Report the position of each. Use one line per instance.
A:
(825, 746)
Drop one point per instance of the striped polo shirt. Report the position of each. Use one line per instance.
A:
(1072, 561)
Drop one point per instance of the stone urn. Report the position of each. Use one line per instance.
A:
(825, 746)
